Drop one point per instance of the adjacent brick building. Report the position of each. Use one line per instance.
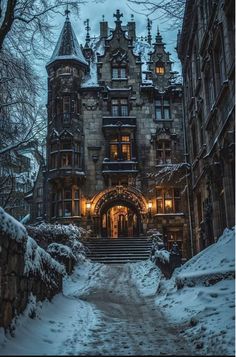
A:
(206, 50)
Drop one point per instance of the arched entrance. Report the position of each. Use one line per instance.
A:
(119, 212)
(120, 219)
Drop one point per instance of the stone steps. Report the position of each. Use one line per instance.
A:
(118, 250)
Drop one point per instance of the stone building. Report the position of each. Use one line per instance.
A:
(115, 144)
(206, 50)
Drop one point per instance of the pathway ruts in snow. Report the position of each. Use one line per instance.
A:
(101, 312)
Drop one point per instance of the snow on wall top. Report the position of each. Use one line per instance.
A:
(12, 227)
(67, 46)
(37, 260)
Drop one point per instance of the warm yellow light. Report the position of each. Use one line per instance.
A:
(168, 204)
(88, 205)
(160, 70)
(150, 204)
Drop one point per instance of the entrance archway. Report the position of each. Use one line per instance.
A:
(120, 220)
(119, 212)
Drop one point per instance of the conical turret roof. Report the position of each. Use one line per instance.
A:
(67, 47)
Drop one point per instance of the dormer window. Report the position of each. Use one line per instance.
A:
(160, 68)
(119, 72)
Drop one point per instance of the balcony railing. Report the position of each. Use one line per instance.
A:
(119, 166)
(127, 121)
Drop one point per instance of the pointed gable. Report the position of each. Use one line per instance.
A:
(67, 47)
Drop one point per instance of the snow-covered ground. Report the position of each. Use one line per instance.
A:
(132, 309)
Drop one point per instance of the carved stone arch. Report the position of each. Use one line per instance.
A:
(123, 194)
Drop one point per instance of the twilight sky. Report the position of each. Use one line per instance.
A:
(94, 10)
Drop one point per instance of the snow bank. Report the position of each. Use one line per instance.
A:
(200, 296)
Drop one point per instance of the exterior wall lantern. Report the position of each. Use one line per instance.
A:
(88, 206)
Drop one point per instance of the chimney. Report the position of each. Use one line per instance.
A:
(103, 29)
(131, 30)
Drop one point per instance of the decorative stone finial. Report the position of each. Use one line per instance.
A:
(118, 15)
(67, 12)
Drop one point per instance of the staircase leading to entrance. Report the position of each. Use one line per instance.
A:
(118, 250)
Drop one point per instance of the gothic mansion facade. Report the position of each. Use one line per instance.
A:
(115, 131)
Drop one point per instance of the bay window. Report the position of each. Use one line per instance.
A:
(120, 148)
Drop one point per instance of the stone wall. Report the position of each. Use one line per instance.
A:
(16, 286)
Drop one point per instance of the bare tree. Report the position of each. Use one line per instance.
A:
(26, 31)
(164, 10)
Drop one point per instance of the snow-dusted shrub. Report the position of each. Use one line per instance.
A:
(40, 263)
(63, 254)
(68, 235)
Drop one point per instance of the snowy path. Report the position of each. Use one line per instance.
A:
(101, 312)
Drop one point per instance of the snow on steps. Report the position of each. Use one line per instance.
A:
(118, 250)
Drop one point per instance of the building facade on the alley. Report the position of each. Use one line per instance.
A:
(206, 50)
(115, 146)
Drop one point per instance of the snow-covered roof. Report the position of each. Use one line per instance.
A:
(67, 47)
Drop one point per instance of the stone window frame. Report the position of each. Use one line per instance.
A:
(62, 202)
(118, 143)
(219, 60)
(164, 150)
(161, 107)
(160, 68)
(122, 109)
(167, 197)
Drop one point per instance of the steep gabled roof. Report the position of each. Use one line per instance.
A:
(67, 47)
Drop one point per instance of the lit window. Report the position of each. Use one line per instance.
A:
(168, 200)
(160, 68)
(120, 148)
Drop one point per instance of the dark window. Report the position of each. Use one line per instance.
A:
(119, 107)
(66, 159)
(53, 161)
(163, 152)
(168, 200)
(162, 108)
(39, 191)
(65, 203)
(119, 72)
(39, 209)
